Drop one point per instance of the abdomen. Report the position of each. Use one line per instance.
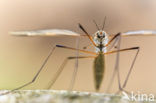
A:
(99, 66)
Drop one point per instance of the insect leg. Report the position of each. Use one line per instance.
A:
(121, 88)
(57, 74)
(75, 67)
(114, 44)
(65, 62)
(83, 51)
(130, 70)
(114, 41)
(90, 38)
(121, 50)
(117, 35)
(115, 68)
(42, 66)
(36, 75)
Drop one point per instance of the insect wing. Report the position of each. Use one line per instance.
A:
(140, 33)
(50, 32)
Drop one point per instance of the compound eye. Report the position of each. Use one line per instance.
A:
(98, 35)
(103, 36)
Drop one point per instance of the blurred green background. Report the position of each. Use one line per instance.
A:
(21, 57)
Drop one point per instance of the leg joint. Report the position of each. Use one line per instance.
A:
(136, 48)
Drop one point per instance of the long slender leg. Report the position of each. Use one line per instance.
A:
(75, 72)
(75, 67)
(117, 38)
(121, 88)
(90, 38)
(115, 68)
(117, 63)
(84, 51)
(114, 44)
(42, 66)
(130, 70)
(117, 35)
(57, 74)
(121, 50)
(36, 75)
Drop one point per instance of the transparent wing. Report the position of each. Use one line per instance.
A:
(140, 33)
(50, 32)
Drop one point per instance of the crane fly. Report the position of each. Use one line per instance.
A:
(100, 40)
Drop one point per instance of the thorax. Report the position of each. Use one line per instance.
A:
(100, 44)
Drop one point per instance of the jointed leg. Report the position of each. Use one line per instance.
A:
(117, 35)
(114, 44)
(117, 63)
(57, 74)
(70, 48)
(35, 77)
(90, 38)
(117, 40)
(75, 67)
(42, 66)
(59, 71)
(130, 70)
(121, 50)
(121, 88)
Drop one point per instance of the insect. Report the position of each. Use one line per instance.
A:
(101, 41)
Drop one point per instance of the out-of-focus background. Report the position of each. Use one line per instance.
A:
(21, 57)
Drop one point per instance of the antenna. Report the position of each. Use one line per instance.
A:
(104, 23)
(96, 25)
